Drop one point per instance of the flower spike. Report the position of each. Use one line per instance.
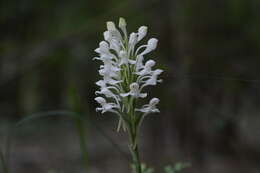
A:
(125, 73)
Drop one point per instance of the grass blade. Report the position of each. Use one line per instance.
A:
(3, 163)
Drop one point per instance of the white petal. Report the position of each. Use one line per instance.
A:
(101, 83)
(132, 61)
(104, 47)
(113, 82)
(125, 94)
(139, 62)
(158, 72)
(143, 95)
(151, 45)
(132, 39)
(100, 100)
(99, 109)
(150, 63)
(154, 101)
(115, 45)
(142, 31)
(155, 110)
(111, 26)
(107, 35)
(97, 50)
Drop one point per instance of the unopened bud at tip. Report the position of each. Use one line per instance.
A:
(111, 26)
(142, 31)
(122, 22)
(152, 43)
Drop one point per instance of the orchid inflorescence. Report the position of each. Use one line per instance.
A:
(125, 74)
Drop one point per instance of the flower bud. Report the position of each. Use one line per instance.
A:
(134, 87)
(107, 35)
(142, 31)
(101, 83)
(100, 100)
(111, 26)
(154, 101)
(152, 43)
(103, 46)
(150, 63)
(122, 23)
(122, 26)
(133, 39)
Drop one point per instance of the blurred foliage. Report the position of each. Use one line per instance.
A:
(178, 167)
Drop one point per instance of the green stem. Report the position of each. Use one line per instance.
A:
(75, 105)
(136, 159)
(134, 149)
(82, 139)
(2, 160)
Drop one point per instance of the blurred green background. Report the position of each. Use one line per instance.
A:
(210, 96)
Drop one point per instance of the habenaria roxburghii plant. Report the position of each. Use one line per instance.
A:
(125, 74)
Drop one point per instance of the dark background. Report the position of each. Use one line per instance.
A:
(210, 96)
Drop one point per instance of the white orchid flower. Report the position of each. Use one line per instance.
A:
(109, 73)
(103, 48)
(134, 91)
(107, 36)
(139, 62)
(105, 107)
(152, 79)
(151, 45)
(151, 107)
(142, 31)
(147, 69)
(115, 34)
(124, 58)
(107, 90)
(132, 42)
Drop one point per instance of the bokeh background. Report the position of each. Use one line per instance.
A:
(210, 96)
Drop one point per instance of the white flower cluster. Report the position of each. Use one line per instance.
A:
(124, 73)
